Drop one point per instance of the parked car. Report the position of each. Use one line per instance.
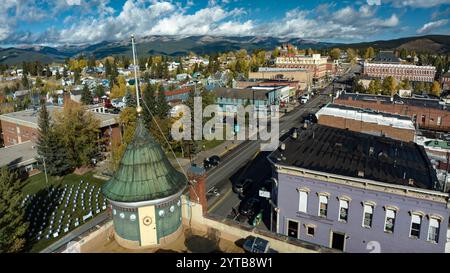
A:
(257, 245)
(243, 186)
(311, 118)
(215, 160)
(210, 162)
(250, 207)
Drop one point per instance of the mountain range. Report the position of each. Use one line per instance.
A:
(178, 46)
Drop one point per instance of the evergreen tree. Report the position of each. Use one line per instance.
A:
(142, 64)
(149, 100)
(107, 68)
(12, 215)
(50, 146)
(25, 82)
(43, 131)
(77, 76)
(130, 99)
(56, 161)
(58, 75)
(86, 96)
(163, 107)
(48, 72)
(99, 91)
(65, 74)
(91, 62)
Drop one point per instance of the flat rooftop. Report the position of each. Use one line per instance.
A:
(18, 155)
(30, 117)
(249, 94)
(367, 115)
(279, 69)
(357, 155)
(417, 102)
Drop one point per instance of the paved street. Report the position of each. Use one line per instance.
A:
(246, 161)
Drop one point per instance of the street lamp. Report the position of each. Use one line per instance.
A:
(46, 176)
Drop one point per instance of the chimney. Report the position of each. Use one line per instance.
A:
(411, 182)
(197, 187)
(283, 146)
(295, 134)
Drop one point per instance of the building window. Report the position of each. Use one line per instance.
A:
(433, 231)
(323, 205)
(416, 221)
(368, 216)
(343, 210)
(303, 201)
(310, 230)
(390, 220)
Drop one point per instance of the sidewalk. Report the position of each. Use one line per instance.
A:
(222, 149)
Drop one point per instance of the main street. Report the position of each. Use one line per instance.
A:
(246, 160)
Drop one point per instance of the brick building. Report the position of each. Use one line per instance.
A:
(19, 127)
(300, 75)
(316, 64)
(426, 114)
(413, 73)
(367, 121)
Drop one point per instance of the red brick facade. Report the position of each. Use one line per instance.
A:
(368, 128)
(423, 117)
(16, 133)
(400, 72)
(197, 189)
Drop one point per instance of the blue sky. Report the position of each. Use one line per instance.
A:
(56, 22)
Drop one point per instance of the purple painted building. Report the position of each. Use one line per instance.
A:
(358, 193)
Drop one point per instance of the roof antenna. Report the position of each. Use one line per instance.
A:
(136, 82)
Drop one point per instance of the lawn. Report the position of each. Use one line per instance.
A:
(59, 207)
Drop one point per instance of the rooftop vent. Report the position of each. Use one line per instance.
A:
(371, 150)
(295, 134)
(360, 173)
(411, 182)
(283, 146)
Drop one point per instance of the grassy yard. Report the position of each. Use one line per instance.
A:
(212, 143)
(57, 207)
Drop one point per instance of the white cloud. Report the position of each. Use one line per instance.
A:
(417, 3)
(164, 17)
(428, 27)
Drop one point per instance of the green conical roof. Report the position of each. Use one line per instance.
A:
(144, 173)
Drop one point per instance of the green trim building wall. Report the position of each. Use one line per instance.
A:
(145, 193)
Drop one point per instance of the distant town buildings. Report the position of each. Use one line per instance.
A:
(385, 64)
(316, 64)
(301, 75)
(358, 193)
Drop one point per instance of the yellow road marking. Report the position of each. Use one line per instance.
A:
(220, 200)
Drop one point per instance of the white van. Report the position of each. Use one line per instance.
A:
(304, 99)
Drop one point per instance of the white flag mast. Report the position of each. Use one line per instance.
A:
(136, 82)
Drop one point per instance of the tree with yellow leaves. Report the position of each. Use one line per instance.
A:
(120, 89)
(436, 89)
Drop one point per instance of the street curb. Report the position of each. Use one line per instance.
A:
(229, 150)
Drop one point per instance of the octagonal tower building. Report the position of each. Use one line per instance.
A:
(145, 192)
